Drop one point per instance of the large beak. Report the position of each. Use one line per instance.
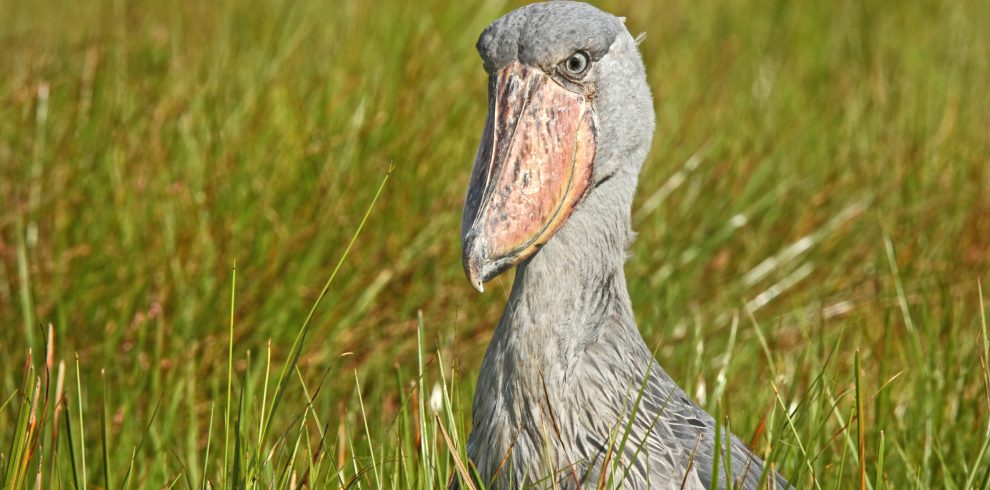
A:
(532, 167)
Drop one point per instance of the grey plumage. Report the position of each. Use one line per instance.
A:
(568, 387)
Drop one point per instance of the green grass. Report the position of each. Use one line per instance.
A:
(814, 227)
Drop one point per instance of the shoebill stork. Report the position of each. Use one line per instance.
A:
(569, 393)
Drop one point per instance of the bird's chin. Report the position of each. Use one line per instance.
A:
(532, 168)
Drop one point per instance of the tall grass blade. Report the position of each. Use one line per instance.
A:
(367, 432)
(717, 453)
(860, 424)
(297, 344)
(206, 455)
(104, 432)
(82, 425)
(230, 377)
(880, 466)
(72, 451)
(424, 447)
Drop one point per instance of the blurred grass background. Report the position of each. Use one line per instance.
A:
(819, 186)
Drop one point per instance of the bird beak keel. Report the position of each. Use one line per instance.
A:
(533, 166)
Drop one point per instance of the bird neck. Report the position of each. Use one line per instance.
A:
(566, 294)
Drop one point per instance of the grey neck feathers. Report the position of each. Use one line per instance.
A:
(574, 288)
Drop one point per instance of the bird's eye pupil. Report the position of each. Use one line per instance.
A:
(577, 63)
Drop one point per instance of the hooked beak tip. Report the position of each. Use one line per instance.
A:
(478, 285)
(472, 267)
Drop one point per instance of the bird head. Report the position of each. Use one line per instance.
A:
(568, 108)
